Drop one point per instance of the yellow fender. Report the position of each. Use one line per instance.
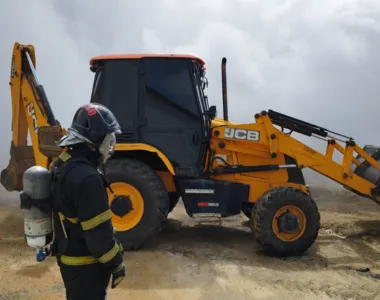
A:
(149, 148)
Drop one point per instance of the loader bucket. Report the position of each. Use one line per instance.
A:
(366, 170)
(22, 158)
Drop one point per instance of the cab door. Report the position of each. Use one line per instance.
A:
(173, 116)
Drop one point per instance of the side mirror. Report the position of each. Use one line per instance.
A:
(212, 112)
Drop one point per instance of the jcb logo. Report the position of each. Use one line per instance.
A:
(32, 113)
(242, 134)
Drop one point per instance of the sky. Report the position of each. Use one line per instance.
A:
(317, 60)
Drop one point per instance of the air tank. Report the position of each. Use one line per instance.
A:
(37, 211)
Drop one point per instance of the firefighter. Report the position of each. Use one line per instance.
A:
(87, 252)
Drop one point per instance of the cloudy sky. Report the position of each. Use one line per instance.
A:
(317, 60)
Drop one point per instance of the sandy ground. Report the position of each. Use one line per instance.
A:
(208, 260)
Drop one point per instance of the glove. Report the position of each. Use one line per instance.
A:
(118, 275)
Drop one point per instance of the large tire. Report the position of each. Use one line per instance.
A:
(267, 217)
(129, 177)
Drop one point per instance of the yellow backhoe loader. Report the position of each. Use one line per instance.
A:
(172, 145)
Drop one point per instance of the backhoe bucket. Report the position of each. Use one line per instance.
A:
(22, 158)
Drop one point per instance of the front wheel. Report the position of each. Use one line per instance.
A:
(285, 221)
(139, 202)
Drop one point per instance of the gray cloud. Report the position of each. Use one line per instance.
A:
(315, 60)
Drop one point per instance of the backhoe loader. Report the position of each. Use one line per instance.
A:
(172, 145)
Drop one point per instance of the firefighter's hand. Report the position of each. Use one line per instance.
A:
(118, 275)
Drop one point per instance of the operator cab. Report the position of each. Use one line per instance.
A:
(158, 100)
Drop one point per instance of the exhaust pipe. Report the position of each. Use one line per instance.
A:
(224, 89)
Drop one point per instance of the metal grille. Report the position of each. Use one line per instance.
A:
(126, 137)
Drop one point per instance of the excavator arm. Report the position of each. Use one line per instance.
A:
(31, 112)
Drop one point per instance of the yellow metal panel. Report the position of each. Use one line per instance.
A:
(149, 148)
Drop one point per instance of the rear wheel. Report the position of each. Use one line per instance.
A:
(139, 202)
(285, 221)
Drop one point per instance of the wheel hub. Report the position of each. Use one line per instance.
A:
(288, 223)
(121, 206)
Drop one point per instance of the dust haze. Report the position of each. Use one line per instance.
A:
(315, 60)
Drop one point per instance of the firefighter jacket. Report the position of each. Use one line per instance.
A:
(82, 218)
